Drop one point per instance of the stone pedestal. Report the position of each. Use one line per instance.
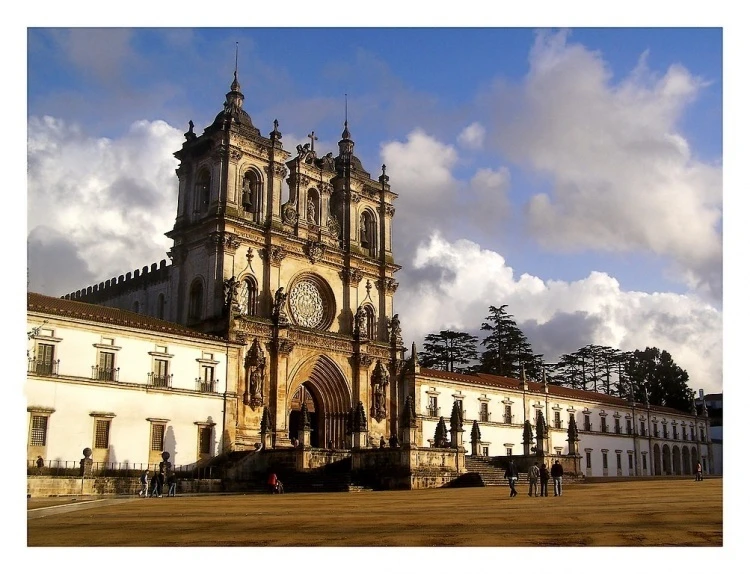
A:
(266, 440)
(361, 440)
(304, 437)
(409, 436)
(476, 448)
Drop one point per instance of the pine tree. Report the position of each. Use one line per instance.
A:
(449, 350)
(654, 372)
(506, 347)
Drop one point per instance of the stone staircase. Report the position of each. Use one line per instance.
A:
(492, 474)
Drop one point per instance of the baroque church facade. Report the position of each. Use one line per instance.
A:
(301, 289)
(306, 284)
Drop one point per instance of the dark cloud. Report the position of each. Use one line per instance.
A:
(563, 333)
(55, 267)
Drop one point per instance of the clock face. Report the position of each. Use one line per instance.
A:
(307, 305)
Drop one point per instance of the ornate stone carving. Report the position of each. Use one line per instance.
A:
(235, 154)
(352, 275)
(274, 255)
(360, 323)
(290, 214)
(394, 331)
(354, 197)
(280, 170)
(231, 288)
(284, 346)
(390, 210)
(255, 367)
(388, 285)
(249, 256)
(314, 250)
(278, 313)
(177, 254)
(364, 360)
(333, 226)
(379, 381)
(326, 188)
(228, 241)
(307, 304)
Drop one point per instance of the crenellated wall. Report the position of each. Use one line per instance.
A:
(138, 279)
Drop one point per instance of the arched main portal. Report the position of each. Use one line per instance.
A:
(323, 388)
(657, 460)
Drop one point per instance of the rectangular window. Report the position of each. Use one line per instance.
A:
(664, 429)
(432, 406)
(617, 426)
(630, 461)
(161, 372)
(604, 460)
(484, 413)
(558, 422)
(703, 435)
(684, 433)
(157, 437)
(692, 433)
(604, 424)
(101, 434)
(656, 429)
(509, 452)
(507, 416)
(618, 458)
(207, 381)
(486, 451)
(38, 430)
(674, 432)
(460, 406)
(44, 359)
(588, 460)
(106, 367)
(205, 440)
(644, 461)
(643, 428)
(628, 426)
(586, 422)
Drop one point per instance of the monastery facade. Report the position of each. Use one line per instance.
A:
(290, 300)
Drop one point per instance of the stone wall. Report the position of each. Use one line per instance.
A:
(406, 468)
(43, 486)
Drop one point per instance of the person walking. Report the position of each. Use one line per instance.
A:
(557, 474)
(543, 480)
(172, 483)
(533, 479)
(144, 484)
(154, 485)
(698, 472)
(512, 475)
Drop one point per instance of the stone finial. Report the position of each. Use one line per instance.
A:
(476, 434)
(359, 419)
(457, 417)
(409, 418)
(693, 408)
(572, 428)
(305, 417)
(528, 433)
(441, 434)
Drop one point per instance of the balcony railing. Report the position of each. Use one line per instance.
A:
(206, 385)
(160, 381)
(44, 368)
(484, 417)
(587, 427)
(508, 419)
(604, 428)
(105, 373)
(433, 411)
(618, 429)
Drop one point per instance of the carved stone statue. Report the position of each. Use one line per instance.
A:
(279, 299)
(311, 211)
(360, 323)
(230, 291)
(395, 329)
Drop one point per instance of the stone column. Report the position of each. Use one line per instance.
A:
(86, 463)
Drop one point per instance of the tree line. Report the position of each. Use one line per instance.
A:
(650, 374)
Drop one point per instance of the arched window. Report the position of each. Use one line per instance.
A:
(370, 322)
(313, 207)
(249, 296)
(368, 235)
(160, 306)
(202, 191)
(195, 302)
(251, 193)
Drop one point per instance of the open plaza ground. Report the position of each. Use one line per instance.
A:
(629, 513)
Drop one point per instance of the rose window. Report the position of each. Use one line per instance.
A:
(307, 304)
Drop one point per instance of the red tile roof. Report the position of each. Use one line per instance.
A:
(554, 390)
(111, 315)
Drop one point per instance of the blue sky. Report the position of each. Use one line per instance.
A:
(572, 173)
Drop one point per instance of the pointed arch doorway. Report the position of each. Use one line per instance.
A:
(327, 395)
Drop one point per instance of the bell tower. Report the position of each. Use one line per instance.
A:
(303, 274)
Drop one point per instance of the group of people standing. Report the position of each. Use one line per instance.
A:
(538, 476)
(153, 487)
